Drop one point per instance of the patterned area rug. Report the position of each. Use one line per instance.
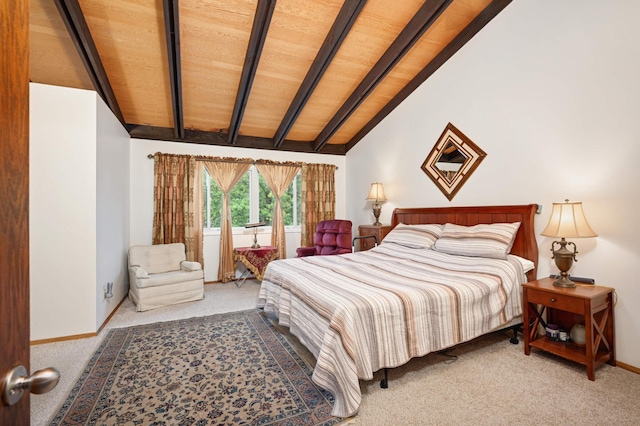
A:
(224, 369)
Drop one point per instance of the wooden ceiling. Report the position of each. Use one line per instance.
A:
(294, 75)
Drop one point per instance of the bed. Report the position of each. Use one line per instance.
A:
(411, 295)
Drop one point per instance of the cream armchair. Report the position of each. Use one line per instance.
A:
(160, 275)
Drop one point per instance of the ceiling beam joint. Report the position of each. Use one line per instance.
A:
(489, 12)
(417, 26)
(220, 139)
(339, 30)
(74, 20)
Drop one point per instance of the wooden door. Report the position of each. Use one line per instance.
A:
(14, 199)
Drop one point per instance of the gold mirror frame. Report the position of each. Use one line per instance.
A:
(452, 160)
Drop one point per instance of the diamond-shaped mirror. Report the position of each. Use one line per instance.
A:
(452, 160)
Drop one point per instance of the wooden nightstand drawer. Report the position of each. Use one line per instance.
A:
(378, 231)
(556, 301)
(367, 243)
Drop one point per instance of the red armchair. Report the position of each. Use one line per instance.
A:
(331, 237)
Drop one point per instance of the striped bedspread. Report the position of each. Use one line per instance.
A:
(360, 312)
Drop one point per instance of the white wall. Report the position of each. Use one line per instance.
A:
(112, 213)
(62, 211)
(78, 211)
(550, 90)
(142, 192)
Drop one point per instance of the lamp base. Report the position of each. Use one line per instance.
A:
(564, 281)
(255, 240)
(376, 214)
(564, 259)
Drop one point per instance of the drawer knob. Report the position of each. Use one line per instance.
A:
(553, 300)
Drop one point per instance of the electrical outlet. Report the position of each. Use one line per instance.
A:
(108, 290)
(539, 209)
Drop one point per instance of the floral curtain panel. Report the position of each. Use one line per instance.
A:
(174, 218)
(318, 198)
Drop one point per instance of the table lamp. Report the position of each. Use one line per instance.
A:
(567, 221)
(376, 194)
(255, 227)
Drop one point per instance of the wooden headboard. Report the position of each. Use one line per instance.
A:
(525, 244)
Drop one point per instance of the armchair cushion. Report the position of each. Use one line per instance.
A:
(331, 237)
(190, 266)
(306, 251)
(139, 272)
(166, 278)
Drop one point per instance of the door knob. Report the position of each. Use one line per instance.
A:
(16, 382)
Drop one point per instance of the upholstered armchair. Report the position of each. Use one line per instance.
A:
(160, 275)
(331, 237)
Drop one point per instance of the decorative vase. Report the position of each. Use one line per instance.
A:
(578, 334)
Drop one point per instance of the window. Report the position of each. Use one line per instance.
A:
(251, 201)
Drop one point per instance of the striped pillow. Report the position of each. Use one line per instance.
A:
(485, 240)
(414, 236)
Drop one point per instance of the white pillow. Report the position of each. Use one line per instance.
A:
(414, 236)
(484, 240)
(527, 265)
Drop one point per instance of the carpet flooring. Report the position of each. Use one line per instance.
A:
(224, 369)
(492, 382)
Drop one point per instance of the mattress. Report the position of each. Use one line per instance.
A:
(360, 312)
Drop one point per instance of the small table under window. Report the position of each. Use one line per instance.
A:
(255, 259)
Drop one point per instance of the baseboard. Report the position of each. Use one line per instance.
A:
(628, 367)
(78, 336)
(63, 338)
(112, 313)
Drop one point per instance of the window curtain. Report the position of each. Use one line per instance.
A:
(198, 210)
(226, 175)
(174, 214)
(318, 198)
(278, 177)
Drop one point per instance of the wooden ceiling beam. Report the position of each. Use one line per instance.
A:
(172, 35)
(261, 22)
(221, 139)
(490, 12)
(417, 26)
(339, 30)
(73, 19)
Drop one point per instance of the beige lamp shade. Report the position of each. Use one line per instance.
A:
(568, 221)
(376, 193)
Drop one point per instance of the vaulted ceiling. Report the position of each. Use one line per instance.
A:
(294, 75)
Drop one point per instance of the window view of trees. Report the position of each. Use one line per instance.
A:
(266, 203)
(239, 200)
(242, 210)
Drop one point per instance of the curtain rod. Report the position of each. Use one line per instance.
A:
(150, 157)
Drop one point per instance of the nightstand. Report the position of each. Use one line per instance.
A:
(365, 230)
(591, 305)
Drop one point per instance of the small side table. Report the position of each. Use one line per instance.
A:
(590, 304)
(255, 259)
(367, 230)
